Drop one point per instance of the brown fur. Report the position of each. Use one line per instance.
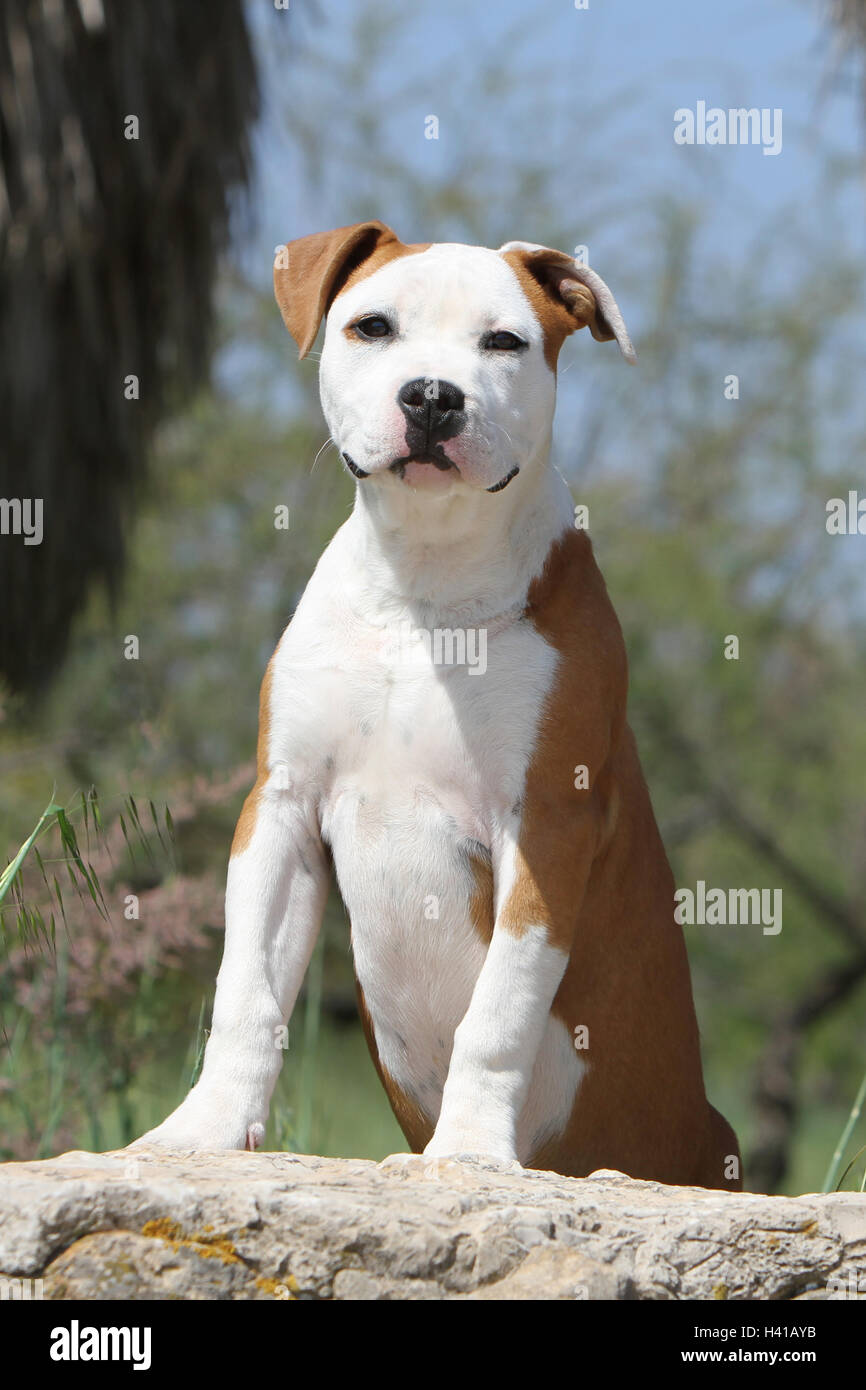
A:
(594, 870)
(481, 902)
(249, 811)
(320, 267)
(415, 1124)
(561, 305)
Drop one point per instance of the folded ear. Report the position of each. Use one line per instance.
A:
(310, 272)
(574, 296)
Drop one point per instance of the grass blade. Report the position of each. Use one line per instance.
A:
(835, 1162)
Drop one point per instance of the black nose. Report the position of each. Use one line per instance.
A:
(434, 410)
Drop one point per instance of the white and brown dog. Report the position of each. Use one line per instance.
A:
(524, 987)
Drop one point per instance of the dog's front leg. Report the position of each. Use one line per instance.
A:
(275, 897)
(496, 1044)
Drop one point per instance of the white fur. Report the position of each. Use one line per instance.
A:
(496, 1050)
(403, 768)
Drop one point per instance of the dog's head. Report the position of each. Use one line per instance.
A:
(438, 368)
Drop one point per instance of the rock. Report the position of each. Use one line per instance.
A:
(283, 1226)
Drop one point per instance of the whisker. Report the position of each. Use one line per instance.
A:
(504, 431)
(328, 441)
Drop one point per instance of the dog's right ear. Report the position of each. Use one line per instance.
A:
(309, 274)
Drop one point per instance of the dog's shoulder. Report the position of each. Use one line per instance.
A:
(569, 605)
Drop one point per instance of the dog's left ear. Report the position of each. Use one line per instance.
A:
(575, 293)
(310, 272)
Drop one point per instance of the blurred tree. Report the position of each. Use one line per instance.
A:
(124, 128)
(850, 18)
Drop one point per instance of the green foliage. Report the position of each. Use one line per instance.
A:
(29, 918)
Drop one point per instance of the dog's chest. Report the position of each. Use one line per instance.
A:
(431, 734)
(429, 762)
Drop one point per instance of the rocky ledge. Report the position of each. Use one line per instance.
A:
(276, 1225)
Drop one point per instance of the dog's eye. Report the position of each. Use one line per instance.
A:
(503, 341)
(373, 326)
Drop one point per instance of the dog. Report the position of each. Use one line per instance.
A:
(522, 983)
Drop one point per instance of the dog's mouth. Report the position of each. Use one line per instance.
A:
(353, 467)
(503, 482)
(413, 467)
(433, 459)
(414, 463)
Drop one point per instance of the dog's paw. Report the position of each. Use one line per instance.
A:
(446, 1167)
(201, 1124)
(412, 1166)
(462, 1145)
(489, 1163)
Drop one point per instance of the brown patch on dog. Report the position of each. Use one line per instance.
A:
(481, 901)
(249, 812)
(415, 1124)
(556, 322)
(592, 869)
(383, 254)
(309, 273)
(560, 304)
(562, 826)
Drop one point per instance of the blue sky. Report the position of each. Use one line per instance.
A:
(597, 86)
